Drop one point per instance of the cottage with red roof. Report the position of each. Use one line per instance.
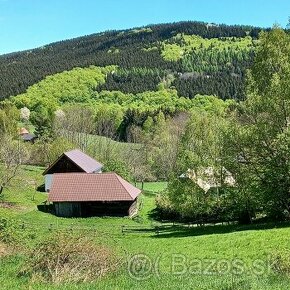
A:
(77, 187)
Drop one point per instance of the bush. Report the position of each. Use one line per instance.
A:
(280, 262)
(164, 208)
(68, 258)
(118, 167)
(12, 234)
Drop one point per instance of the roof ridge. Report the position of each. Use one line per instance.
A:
(86, 173)
(76, 149)
(118, 177)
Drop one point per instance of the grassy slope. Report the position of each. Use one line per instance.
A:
(216, 242)
(153, 186)
(104, 142)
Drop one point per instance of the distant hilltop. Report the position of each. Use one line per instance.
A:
(215, 54)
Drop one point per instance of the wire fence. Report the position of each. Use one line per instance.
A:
(99, 229)
(109, 229)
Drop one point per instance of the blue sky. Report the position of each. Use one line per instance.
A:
(27, 24)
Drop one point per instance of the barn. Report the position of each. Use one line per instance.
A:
(71, 161)
(87, 194)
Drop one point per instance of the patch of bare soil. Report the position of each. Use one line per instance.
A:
(3, 250)
(7, 204)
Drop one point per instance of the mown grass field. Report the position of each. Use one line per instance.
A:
(177, 257)
(154, 187)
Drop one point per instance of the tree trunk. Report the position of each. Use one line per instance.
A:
(1, 189)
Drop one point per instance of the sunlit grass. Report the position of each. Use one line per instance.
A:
(246, 243)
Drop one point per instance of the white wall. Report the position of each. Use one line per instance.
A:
(48, 181)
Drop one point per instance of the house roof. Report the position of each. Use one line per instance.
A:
(82, 160)
(23, 131)
(207, 177)
(69, 187)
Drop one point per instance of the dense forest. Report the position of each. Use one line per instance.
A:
(192, 57)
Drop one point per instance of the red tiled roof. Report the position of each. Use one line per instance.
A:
(82, 160)
(91, 187)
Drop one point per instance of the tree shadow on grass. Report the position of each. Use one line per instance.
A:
(179, 231)
(176, 228)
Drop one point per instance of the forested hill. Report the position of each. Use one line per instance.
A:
(193, 57)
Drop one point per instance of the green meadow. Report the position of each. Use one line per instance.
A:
(173, 256)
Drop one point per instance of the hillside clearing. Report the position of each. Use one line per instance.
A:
(181, 245)
(153, 186)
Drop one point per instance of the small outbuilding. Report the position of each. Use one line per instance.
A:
(71, 161)
(26, 136)
(208, 177)
(83, 195)
(23, 131)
